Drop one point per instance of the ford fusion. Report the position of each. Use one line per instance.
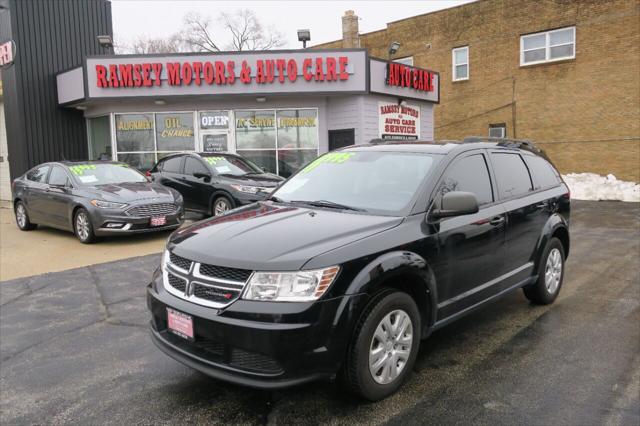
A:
(357, 258)
(93, 199)
(213, 183)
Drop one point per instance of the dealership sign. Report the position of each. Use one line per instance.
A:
(398, 122)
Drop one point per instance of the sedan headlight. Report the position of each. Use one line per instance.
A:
(108, 204)
(251, 189)
(301, 286)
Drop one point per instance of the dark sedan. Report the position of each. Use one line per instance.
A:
(94, 198)
(213, 183)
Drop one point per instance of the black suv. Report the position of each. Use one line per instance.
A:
(213, 183)
(358, 257)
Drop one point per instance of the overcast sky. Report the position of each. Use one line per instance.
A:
(134, 18)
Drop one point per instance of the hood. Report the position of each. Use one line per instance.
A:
(267, 180)
(273, 237)
(133, 191)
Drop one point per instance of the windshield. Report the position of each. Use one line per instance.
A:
(230, 165)
(105, 174)
(377, 182)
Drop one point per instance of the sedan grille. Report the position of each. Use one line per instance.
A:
(148, 210)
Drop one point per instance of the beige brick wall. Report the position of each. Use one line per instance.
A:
(584, 112)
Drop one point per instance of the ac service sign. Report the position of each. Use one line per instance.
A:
(233, 73)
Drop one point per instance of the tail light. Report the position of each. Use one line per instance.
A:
(148, 173)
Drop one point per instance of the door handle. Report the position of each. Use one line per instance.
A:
(496, 221)
(542, 205)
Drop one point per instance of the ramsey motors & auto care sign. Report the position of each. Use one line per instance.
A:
(232, 73)
(398, 122)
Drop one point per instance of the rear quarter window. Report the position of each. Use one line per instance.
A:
(543, 173)
(171, 165)
(512, 175)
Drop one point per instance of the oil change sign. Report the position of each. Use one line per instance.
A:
(398, 122)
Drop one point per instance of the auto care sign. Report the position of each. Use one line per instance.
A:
(398, 122)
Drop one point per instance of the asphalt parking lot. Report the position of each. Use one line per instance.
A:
(74, 348)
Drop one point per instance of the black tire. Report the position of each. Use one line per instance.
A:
(356, 375)
(539, 292)
(84, 231)
(220, 200)
(22, 217)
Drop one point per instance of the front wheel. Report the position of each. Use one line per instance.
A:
(385, 346)
(22, 218)
(221, 205)
(83, 227)
(550, 275)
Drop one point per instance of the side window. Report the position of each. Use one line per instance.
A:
(172, 165)
(543, 172)
(469, 174)
(58, 177)
(193, 165)
(38, 174)
(512, 175)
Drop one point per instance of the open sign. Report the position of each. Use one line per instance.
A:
(214, 120)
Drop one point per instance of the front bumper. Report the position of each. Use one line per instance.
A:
(130, 224)
(259, 344)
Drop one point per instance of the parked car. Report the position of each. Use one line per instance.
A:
(92, 199)
(214, 183)
(357, 258)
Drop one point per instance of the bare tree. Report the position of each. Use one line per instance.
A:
(144, 45)
(247, 33)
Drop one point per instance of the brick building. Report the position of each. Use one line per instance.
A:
(563, 73)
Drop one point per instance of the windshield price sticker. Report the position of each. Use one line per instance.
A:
(333, 157)
(79, 169)
(213, 160)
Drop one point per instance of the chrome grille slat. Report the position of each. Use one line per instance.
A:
(156, 209)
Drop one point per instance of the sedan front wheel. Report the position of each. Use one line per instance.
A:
(83, 227)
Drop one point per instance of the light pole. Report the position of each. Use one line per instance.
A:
(304, 36)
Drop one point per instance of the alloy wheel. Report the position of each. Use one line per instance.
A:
(82, 226)
(21, 216)
(390, 347)
(553, 270)
(221, 207)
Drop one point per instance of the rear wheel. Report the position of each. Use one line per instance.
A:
(385, 346)
(83, 227)
(22, 218)
(550, 275)
(221, 205)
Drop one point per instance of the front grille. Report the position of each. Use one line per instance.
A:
(232, 274)
(214, 294)
(177, 283)
(254, 361)
(180, 262)
(148, 210)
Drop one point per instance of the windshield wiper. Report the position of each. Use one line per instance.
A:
(327, 204)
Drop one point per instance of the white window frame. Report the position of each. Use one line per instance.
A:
(547, 47)
(454, 76)
(407, 60)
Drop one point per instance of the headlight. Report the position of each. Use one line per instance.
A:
(301, 286)
(251, 189)
(108, 204)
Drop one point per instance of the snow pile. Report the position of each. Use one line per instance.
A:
(590, 186)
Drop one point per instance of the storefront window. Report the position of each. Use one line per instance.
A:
(291, 160)
(99, 138)
(265, 159)
(256, 129)
(134, 132)
(174, 132)
(297, 128)
(141, 161)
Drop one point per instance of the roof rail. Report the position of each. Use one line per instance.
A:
(505, 142)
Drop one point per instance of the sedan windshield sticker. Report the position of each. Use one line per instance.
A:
(88, 179)
(213, 160)
(79, 169)
(333, 157)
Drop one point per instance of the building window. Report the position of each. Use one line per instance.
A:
(280, 141)
(99, 138)
(408, 60)
(460, 63)
(548, 46)
(498, 130)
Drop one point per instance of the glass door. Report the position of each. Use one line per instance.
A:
(215, 132)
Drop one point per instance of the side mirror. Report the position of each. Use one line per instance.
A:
(205, 176)
(456, 203)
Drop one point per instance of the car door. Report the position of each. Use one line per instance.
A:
(168, 172)
(470, 247)
(58, 197)
(35, 193)
(196, 184)
(525, 213)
